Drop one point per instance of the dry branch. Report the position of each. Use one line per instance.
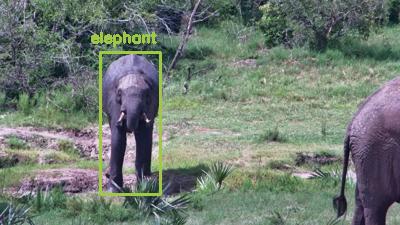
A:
(181, 47)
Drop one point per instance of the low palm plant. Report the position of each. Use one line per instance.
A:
(219, 171)
(166, 210)
(334, 221)
(277, 219)
(14, 215)
(213, 179)
(334, 175)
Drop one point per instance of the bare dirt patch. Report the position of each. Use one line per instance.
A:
(47, 142)
(303, 158)
(71, 180)
(85, 140)
(244, 63)
(74, 181)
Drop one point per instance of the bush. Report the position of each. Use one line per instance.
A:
(318, 22)
(273, 135)
(14, 142)
(212, 181)
(166, 210)
(67, 147)
(24, 104)
(2, 100)
(249, 11)
(273, 24)
(394, 11)
(11, 214)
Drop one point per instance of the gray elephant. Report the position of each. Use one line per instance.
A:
(130, 100)
(373, 139)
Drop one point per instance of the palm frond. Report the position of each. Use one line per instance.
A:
(15, 215)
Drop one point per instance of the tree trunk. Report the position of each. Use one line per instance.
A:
(321, 42)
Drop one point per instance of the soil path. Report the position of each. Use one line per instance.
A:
(85, 141)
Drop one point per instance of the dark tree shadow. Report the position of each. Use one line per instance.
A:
(376, 51)
(182, 179)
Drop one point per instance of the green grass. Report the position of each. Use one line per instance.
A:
(254, 118)
(308, 98)
(14, 142)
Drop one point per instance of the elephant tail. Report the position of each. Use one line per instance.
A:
(339, 202)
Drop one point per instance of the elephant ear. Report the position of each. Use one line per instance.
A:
(151, 100)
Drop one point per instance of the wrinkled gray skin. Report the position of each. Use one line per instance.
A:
(373, 139)
(130, 85)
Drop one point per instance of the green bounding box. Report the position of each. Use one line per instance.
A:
(101, 53)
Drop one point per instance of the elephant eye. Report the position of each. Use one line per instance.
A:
(118, 97)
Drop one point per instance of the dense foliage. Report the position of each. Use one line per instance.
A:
(394, 11)
(273, 24)
(317, 22)
(45, 48)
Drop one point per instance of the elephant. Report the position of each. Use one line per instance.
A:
(373, 140)
(130, 100)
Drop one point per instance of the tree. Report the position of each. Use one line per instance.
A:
(394, 11)
(322, 20)
(273, 24)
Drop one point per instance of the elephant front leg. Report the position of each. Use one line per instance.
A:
(144, 142)
(118, 146)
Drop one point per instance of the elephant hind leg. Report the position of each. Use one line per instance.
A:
(376, 215)
(358, 218)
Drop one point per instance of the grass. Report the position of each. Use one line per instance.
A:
(304, 97)
(256, 119)
(14, 142)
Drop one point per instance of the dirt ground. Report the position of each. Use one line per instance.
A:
(85, 141)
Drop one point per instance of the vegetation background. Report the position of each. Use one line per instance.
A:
(264, 86)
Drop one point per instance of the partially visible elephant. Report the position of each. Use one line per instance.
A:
(130, 100)
(373, 139)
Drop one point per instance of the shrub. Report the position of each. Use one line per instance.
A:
(273, 24)
(8, 161)
(14, 214)
(2, 100)
(14, 142)
(66, 146)
(318, 22)
(165, 210)
(44, 200)
(272, 136)
(394, 11)
(249, 11)
(212, 181)
(24, 103)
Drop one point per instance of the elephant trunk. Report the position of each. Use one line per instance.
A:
(133, 113)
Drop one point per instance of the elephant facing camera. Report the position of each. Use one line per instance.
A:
(130, 100)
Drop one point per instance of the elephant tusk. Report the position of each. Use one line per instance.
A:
(121, 117)
(145, 118)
